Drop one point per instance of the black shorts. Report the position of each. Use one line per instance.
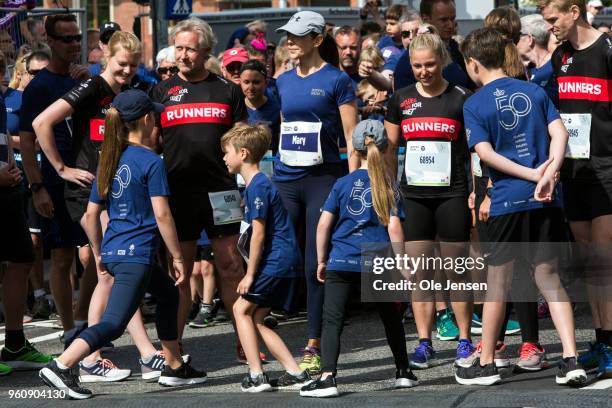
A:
(61, 231)
(204, 253)
(526, 234)
(585, 201)
(15, 241)
(192, 213)
(273, 292)
(428, 219)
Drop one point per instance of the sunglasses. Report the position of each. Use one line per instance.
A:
(67, 39)
(165, 70)
(408, 34)
(33, 72)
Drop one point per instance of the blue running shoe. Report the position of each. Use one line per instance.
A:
(605, 362)
(422, 356)
(590, 359)
(465, 348)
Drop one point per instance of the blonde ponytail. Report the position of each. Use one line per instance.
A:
(383, 194)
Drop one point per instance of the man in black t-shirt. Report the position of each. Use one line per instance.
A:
(200, 108)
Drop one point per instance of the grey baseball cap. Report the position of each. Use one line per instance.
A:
(304, 22)
(372, 128)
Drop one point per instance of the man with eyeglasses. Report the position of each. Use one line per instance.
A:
(59, 232)
(166, 63)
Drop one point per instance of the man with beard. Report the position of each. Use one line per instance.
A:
(347, 40)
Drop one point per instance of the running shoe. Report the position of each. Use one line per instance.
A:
(408, 316)
(570, 373)
(241, 357)
(605, 362)
(477, 374)
(184, 375)
(63, 380)
(405, 379)
(203, 318)
(27, 319)
(153, 369)
(290, 381)
(512, 327)
(270, 321)
(102, 371)
(465, 349)
(259, 384)
(532, 357)
(501, 357)
(311, 360)
(446, 327)
(326, 388)
(41, 308)
(422, 356)
(590, 359)
(5, 369)
(543, 310)
(26, 358)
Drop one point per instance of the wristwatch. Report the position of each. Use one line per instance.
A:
(35, 187)
(489, 191)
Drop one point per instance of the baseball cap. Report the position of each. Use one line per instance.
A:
(595, 3)
(372, 128)
(304, 22)
(235, 55)
(107, 30)
(134, 104)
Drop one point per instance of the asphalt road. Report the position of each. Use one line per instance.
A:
(365, 376)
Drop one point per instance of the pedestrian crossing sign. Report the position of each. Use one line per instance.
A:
(178, 9)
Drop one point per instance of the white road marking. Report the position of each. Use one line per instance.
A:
(600, 385)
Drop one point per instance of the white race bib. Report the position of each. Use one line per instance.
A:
(476, 169)
(578, 126)
(401, 162)
(266, 165)
(300, 143)
(226, 207)
(243, 240)
(428, 163)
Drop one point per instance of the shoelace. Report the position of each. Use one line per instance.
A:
(107, 365)
(528, 350)
(423, 348)
(465, 346)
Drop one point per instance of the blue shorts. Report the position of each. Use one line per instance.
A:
(60, 231)
(273, 292)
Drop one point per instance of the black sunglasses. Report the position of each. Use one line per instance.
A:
(33, 72)
(67, 39)
(408, 34)
(165, 70)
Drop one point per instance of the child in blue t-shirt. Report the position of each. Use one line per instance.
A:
(268, 244)
(517, 131)
(132, 185)
(362, 207)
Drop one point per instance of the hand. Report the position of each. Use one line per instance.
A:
(245, 285)
(541, 169)
(545, 189)
(483, 211)
(10, 175)
(472, 200)
(42, 203)
(365, 69)
(80, 177)
(321, 269)
(178, 271)
(79, 72)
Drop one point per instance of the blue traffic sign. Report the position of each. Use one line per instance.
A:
(178, 9)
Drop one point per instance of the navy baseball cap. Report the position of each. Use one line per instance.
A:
(134, 104)
(372, 128)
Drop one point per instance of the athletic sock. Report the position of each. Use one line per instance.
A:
(598, 335)
(606, 337)
(39, 293)
(60, 365)
(428, 341)
(15, 339)
(148, 359)
(88, 364)
(254, 375)
(295, 373)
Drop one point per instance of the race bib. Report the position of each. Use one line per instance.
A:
(300, 143)
(428, 163)
(401, 161)
(578, 126)
(476, 169)
(266, 165)
(226, 207)
(243, 240)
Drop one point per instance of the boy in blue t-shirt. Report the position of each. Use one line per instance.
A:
(508, 122)
(268, 244)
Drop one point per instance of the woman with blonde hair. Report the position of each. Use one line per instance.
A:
(87, 104)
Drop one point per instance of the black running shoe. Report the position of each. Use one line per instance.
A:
(292, 381)
(570, 373)
(270, 321)
(478, 375)
(321, 388)
(64, 380)
(405, 379)
(259, 384)
(203, 318)
(184, 375)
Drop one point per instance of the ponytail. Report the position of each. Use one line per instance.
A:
(513, 66)
(115, 141)
(383, 193)
(329, 51)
